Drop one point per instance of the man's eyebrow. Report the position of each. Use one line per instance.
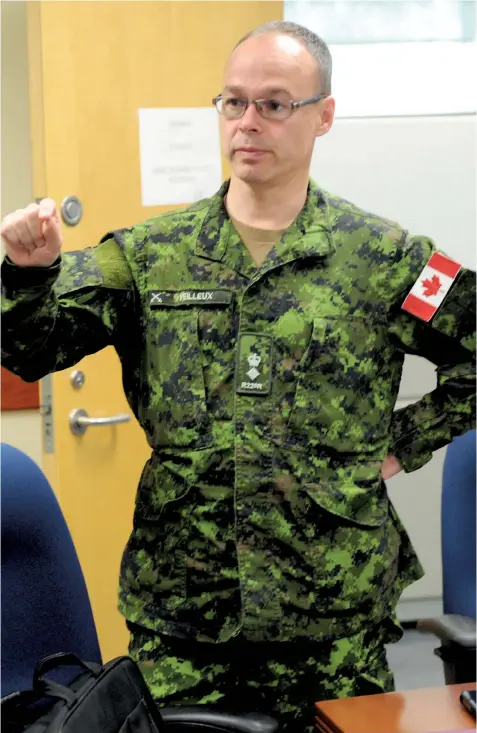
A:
(269, 91)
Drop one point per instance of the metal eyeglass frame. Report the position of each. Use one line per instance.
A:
(293, 105)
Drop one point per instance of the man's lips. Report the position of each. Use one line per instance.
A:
(249, 150)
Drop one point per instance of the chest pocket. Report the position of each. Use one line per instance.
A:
(343, 387)
(177, 360)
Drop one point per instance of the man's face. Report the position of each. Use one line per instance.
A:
(278, 67)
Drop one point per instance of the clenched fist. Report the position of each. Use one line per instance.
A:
(32, 236)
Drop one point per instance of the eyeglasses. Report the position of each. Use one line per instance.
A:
(234, 108)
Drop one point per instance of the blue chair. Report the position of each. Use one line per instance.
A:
(45, 604)
(458, 526)
(457, 628)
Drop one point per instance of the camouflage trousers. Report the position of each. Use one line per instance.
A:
(280, 679)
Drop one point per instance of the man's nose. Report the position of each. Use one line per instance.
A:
(252, 120)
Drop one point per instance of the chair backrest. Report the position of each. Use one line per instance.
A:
(45, 604)
(458, 526)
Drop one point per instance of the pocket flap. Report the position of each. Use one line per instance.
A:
(365, 507)
(162, 482)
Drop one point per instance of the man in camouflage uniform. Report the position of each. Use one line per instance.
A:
(262, 335)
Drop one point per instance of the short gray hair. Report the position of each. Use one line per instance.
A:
(313, 44)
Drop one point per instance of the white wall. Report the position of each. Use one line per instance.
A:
(21, 428)
(419, 171)
(15, 131)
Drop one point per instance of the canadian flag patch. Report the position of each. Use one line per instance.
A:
(431, 287)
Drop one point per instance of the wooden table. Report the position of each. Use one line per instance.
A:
(415, 711)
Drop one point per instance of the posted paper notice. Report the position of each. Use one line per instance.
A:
(180, 155)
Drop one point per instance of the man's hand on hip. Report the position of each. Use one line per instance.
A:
(390, 467)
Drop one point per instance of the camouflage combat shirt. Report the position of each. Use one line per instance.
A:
(267, 395)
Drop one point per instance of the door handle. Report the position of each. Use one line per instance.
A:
(80, 421)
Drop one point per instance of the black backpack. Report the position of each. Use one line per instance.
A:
(113, 698)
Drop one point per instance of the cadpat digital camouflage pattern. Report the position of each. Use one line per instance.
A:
(261, 512)
(282, 679)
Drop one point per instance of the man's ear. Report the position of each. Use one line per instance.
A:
(326, 118)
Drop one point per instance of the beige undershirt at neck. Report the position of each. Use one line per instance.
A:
(259, 242)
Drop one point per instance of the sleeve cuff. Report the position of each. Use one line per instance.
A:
(410, 457)
(18, 279)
